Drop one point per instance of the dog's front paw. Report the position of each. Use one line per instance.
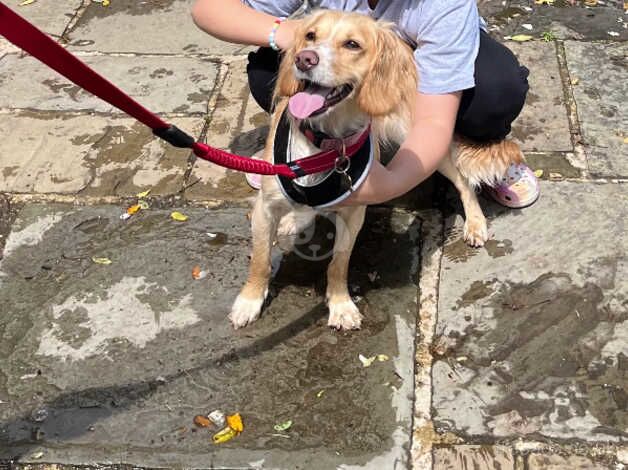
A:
(344, 316)
(245, 310)
(475, 232)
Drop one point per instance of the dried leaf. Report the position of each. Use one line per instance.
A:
(235, 422)
(521, 38)
(105, 261)
(133, 209)
(178, 216)
(283, 426)
(143, 194)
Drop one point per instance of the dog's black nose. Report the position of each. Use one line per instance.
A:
(306, 60)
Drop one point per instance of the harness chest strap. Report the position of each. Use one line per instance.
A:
(30, 39)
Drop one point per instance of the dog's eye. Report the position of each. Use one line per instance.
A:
(351, 44)
(310, 36)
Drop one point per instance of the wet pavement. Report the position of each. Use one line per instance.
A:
(512, 356)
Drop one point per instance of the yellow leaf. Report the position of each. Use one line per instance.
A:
(538, 173)
(521, 37)
(133, 209)
(143, 194)
(105, 3)
(26, 2)
(104, 261)
(178, 216)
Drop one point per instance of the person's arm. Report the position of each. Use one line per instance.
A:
(419, 156)
(232, 21)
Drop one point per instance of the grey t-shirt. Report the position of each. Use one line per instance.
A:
(444, 33)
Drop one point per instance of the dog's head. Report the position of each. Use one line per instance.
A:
(345, 61)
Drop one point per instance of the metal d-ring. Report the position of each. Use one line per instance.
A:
(342, 163)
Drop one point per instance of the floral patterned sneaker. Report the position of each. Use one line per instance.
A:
(517, 189)
(253, 179)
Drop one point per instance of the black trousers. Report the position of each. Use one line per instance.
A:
(486, 111)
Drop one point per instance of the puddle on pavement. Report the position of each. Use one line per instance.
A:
(286, 366)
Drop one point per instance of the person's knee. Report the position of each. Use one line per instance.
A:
(507, 93)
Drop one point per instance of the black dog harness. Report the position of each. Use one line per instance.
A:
(338, 183)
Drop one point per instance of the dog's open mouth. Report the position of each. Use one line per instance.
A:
(315, 99)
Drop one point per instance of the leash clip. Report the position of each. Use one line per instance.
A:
(342, 165)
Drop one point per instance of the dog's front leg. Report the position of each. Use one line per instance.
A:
(343, 313)
(248, 305)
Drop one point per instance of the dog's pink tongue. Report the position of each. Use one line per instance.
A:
(304, 104)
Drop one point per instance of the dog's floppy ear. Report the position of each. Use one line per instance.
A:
(286, 85)
(392, 77)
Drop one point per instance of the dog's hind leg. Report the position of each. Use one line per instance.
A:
(475, 230)
(343, 313)
(248, 305)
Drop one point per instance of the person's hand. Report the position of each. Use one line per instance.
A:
(285, 34)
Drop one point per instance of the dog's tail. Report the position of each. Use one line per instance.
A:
(486, 163)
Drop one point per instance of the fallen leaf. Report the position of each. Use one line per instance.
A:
(26, 2)
(283, 426)
(105, 3)
(538, 173)
(234, 421)
(134, 209)
(104, 261)
(202, 421)
(178, 216)
(574, 81)
(382, 357)
(143, 194)
(366, 361)
(521, 38)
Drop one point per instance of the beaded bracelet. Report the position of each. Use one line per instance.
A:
(273, 33)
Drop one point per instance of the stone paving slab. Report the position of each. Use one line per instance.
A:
(172, 85)
(532, 329)
(51, 17)
(471, 457)
(139, 28)
(89, 155)
(600, 97)
(238, 125)
(558, 462)
(542, 124)
(121, 357)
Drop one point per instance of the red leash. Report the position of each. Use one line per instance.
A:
(30, 39)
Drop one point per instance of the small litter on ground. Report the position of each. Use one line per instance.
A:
(202, 421)
(104, 261)
(320, 394)
(198, 274)
(218, 418)
(143, 194)
(234, 427)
